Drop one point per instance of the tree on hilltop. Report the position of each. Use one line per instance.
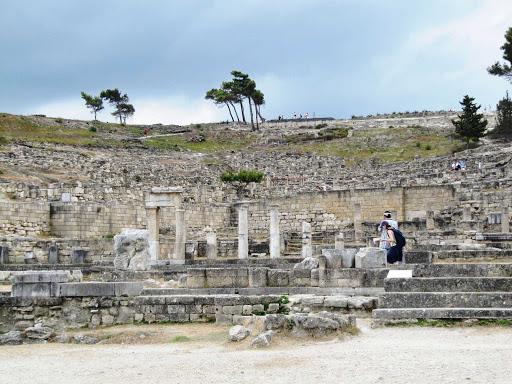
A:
(504, 70)
(120, 102)
(95, 104)
(236, 91)
(470, 125)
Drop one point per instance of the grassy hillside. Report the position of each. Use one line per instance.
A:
(384, 145)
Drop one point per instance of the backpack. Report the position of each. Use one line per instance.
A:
(399, 238)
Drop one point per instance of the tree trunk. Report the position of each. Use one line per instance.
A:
(242, 108)
(259, 114)
(250, 111)
(229, 109)
(236, 113)
(256, 115)
(94, 115)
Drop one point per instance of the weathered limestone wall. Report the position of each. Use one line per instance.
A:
(25, 219)
(18, 313)
(330, 210)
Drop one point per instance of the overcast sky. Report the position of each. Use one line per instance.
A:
(333, 58)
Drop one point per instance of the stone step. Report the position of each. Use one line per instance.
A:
(441, 313)
(445, 299)
(461, 269)
(476, 255)
(449, 284)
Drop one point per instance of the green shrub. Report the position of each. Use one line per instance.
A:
(59, 120)
(198, 126)
(202, 134)
(418, 144)
(284, 300)
(110, 236)
(1, 172)
(323, 125)
(243, 176)
(428, 147)
(3, 140)
(137, 178)
(93, 129)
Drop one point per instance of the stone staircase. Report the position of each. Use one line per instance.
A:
(451, 291)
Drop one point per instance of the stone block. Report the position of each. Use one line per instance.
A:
(87, 289)
(370, 258)
(78, 256)
(258, 277)
(53, 255)
(4, 254)
(42, 277)
(418, 257)
(130, 289)
(348, 257)
(34, 289)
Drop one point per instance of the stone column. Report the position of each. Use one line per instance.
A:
(339, 241)
(211, 244)
(358, 226)
(275, 251)
(243, 233)
(181, 235)
(152, 225)
(430, 221)
(505, 220)
(307, 249)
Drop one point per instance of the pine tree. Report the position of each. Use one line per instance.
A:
(470, 126)
(504, 117)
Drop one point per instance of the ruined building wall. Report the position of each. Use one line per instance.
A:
(325, 210)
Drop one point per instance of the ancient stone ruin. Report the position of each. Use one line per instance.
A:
(287, 257)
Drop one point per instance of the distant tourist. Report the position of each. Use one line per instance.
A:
(463, 165)
(479, 166)
(395, 254)
(383, 232)
(146, 132)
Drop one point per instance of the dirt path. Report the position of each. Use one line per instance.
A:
(384, 355)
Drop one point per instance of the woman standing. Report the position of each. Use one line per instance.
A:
(395, 254)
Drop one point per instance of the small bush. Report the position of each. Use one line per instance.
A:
(428, 147)
(284, 300)
(93, 129)
(3, 140)
(323, 125)
(138, 179)
(110, 236)
(202, 134)
(1, 172)
(198, 126)
(418, 144)
(59, 120)
(180, 339)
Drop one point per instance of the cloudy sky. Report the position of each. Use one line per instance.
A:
(333, 58)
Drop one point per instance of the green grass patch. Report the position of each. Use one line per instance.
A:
(180, 339)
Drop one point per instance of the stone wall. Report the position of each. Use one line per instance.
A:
(25, 219)
(18, 313)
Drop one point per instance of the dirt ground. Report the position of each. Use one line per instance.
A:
(201, 353)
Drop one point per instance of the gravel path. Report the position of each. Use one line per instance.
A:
(383, 355)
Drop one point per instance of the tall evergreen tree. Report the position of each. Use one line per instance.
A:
(95, 104)
(504, 117)
(504, 70)
(470, 125)
(123, 109)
